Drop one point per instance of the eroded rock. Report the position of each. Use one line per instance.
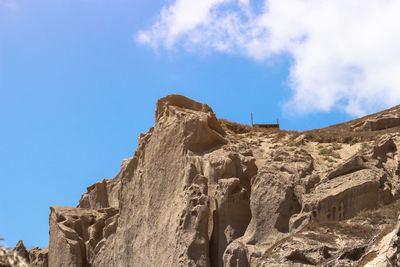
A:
(10, 259)
(341, 198)
(78, 233)
(194, 194)
(21, 251)
(383, 148)
(377, 124)
(354, 164)
(103, 194)
(39, 257)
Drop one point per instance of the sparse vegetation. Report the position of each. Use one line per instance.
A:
(348, 140)
(366, 227)
(341, 228)
(329, 152)
(385, 214)
(326, 237)
(336, 146)
(345, 135)
(329, 159)
(384, 232)
(380, 223)
(275, 245)
(367, 258)
(364, 145)
(235, 127)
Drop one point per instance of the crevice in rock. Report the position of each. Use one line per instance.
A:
(287, 208)
(230, 223)
(236, 255)
(231, 213)
(192, 230)
(353, 254)
(214, 240)
(299, 257)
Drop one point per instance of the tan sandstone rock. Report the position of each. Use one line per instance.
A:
(11, 258)
(206, 192)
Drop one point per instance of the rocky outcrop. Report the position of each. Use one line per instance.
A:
(103, 194)
(345, 196)
(79, 234)
(393, 250)
(20, 249)
(11, 259)
(354, 164)
(198, 192)
(379, 124)
(383, 148)
(34, 257)
(379, 121)
(39, 257)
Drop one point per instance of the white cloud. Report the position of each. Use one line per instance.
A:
(178, 20)
(346, 53)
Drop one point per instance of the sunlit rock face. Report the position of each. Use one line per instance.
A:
(202, 191)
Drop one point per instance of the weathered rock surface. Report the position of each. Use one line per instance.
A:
(39, 257)
(103, 194)
(20, 249)
(206, 192)
(11, 258)
(79, 234)
(33, 257)
(379, 121)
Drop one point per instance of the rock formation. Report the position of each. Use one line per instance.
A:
(13, 258)
(201, 191)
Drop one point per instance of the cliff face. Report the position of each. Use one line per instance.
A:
(206, 192)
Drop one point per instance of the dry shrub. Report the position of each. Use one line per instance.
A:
(344, 134)
(385, 214)
(338, 133)
(336, 146)
(321, 237)
(352, 230)
(235, 127)
(367, 258)
(270, 250)
(280, 134)
(329, 152)
(268, 131)
(364, 145)
(341, 228)
(389, 228)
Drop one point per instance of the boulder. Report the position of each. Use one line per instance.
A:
(383, 147)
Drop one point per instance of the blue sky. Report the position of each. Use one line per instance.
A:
(79, 81)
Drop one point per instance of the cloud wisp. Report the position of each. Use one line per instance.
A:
(345, 52)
